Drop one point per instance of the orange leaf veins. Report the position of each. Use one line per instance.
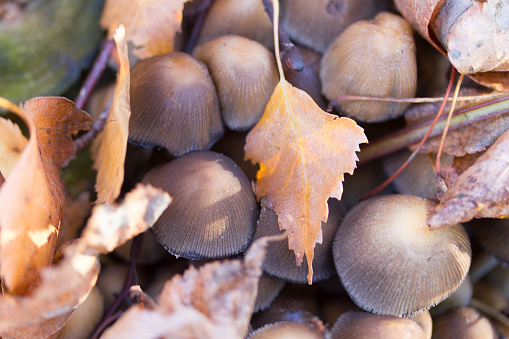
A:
(303, 154)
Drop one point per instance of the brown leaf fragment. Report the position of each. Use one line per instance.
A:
(63, 285)
(2, 179)
(150, 25)
(303, 154)
(32, 201)
(482, 191)
(111, 146)
(451, 172)
(12, 143)
(212, 302)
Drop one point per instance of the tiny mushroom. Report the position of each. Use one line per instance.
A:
(174, 104)
(463, 322)
(361, 325)
(372, 58)
(214, 211)
(391, 262)
(287, 330)
(280, 261)
(245, 74)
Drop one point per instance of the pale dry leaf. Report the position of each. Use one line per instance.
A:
(32, 201)
(12, 143)
(482, 191)
(213, 302)
(42, 313)
(111, 146)
(303, 154)
(2, 179)
(151, 25)
(473, 34)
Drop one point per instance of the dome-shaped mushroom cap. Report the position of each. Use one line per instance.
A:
(213, 213)
(391, 262)
(280, 260)
(363, 325)
(245, 74)
(324, 20)
(372, 58)
(174, 104)
(246, 18)
(463, 322)
(287, 330)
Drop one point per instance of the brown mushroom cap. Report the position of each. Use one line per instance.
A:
(174, 104)
(372, 58)
(280, 261)
(363, 325)
(213, 213)
(461, 297)
(246, 18)
(391, 262)
(324, 20)
(287, 330)
(268, 289)
(463, 322)
(424, 320)
(245, 74)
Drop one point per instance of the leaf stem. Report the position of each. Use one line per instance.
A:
(410, 135)
(275, 26)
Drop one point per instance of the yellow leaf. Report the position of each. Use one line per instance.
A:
(111, 147)
(303, 154)
(151, 25)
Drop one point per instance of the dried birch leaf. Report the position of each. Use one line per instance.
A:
(303, 154)
(213, 302)
(12, 143)
(482, 191)
(111, 146)
(151, 25)
(32, 201)
(42, 313)
(473, 34)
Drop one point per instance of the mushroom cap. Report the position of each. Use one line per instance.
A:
(324, 19)
(460, 297)
(463, 322)
(280, 260)
(493, 234)
(245, 74)
(246, 18)
(361, 325)
(424, 320)
(287, 330)
(174, 104)
(268, 289)
(391, 262)
(213, 213)
(372, 58)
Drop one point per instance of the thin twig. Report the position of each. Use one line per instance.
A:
(97, 127)
(411, 135)
(449, 116)
(95, 74)
(290, 54)
(105, 323)
(483, 97)
(391, 179)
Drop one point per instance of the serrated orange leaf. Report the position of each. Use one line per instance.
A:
(150, 25)
(303, 154)
(111, 146)
(32, 200)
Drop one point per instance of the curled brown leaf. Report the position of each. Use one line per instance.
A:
(32, 201)
(482, 191)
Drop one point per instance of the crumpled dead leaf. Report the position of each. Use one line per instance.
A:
(42, 313)
(150, 25)
(32, 201)
(110, 147)
(12, 143)
(482, 191)
(473, 35)
(212, 302)
(303, 154)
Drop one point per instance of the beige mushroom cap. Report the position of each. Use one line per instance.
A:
(391, 262)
